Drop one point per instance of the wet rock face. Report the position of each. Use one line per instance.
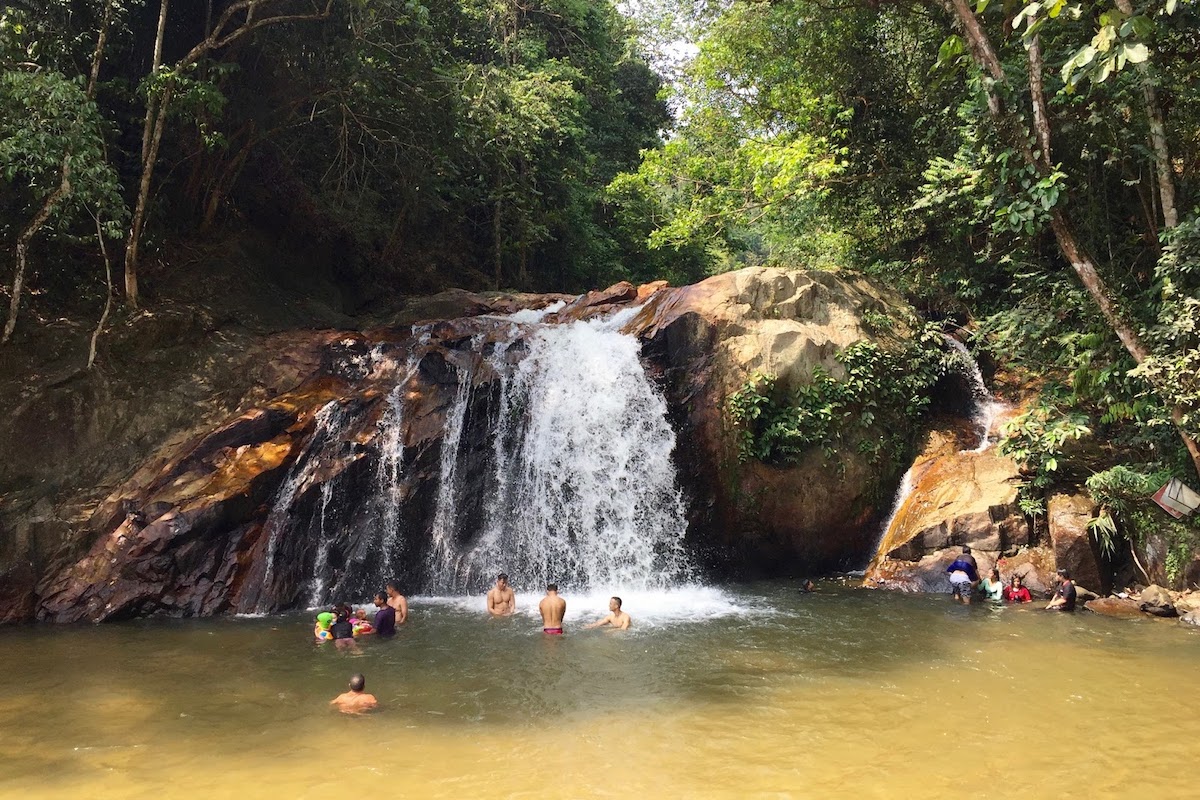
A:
(959, 498)
(196, 530)
(189, 533)
(706, 341)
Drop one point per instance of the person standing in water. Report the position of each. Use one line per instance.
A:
(964, 575)
(501, 602)
(553, 609)
(398, 603)
(356, 700)
(616, 617)
(385, 616)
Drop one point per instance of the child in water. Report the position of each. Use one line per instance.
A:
(321, 630)
(361, 626)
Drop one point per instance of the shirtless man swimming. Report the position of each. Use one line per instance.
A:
(398, 602)
(553, 609)
(617, 618)
(501, 602)
(356, 700)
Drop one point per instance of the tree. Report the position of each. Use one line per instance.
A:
(52, 143)
(240, 17)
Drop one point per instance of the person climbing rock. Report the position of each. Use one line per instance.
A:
(964, 575)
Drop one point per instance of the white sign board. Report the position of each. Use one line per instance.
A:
(1177, 499)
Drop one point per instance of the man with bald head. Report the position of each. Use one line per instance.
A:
(355, 701)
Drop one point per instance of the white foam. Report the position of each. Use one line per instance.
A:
(531, 316)
(680, 604)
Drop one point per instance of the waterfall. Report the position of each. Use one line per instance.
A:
(583, 489)
(390, 476)
(984, 413)
(987, 407)
(554, 465)
(328, 421)
(317, 587)
(445, 517)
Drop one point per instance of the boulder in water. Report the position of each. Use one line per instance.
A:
(707, 341)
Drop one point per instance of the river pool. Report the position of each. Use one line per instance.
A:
(742, 691)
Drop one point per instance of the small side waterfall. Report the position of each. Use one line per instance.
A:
(986, 410)
(987, 407)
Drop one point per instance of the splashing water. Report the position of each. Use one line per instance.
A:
(987, 407)
(585, 484)
(329, 420)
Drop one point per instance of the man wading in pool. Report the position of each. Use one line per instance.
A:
(501, 602)
(553, 609)
(356, 700)
(617, 618)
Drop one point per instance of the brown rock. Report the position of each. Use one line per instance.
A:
(1074, 546)
(587, 304)
(707, 341)
(1114, 607)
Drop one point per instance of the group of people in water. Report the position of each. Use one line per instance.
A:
(966, 584)
(342, 625)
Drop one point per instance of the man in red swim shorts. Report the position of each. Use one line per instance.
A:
(553, 609)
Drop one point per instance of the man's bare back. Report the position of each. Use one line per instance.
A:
(355, 701)
(501, 602)
(553, 609)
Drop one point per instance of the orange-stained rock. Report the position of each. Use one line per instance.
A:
(1114, 607)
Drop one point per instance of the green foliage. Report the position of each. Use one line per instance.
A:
(1174, 366)
(1035, 439)
(874, 404)
(44, 118)
(1127, 510)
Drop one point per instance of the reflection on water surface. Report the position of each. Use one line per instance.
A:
(752, 691)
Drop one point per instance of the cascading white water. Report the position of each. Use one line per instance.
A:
(390, 477)
(987, 407)
(328, 422)
(587, 495)
(317, 587)
(445, 518)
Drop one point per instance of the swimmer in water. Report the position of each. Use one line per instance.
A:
(342, 629)
(356, 700)
(501, 602)
(553, 609)
(398, 602)
(616, 617)
(321, 630)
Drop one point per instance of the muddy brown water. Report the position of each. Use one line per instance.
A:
(747, 691)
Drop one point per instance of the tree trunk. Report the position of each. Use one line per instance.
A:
(497, 245)
(1158, 137)
(35, 225)
(151, 103)
(108, 293)
(143, 198)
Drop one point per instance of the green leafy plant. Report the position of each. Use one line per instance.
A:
(1035, 439)
(880, 391)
